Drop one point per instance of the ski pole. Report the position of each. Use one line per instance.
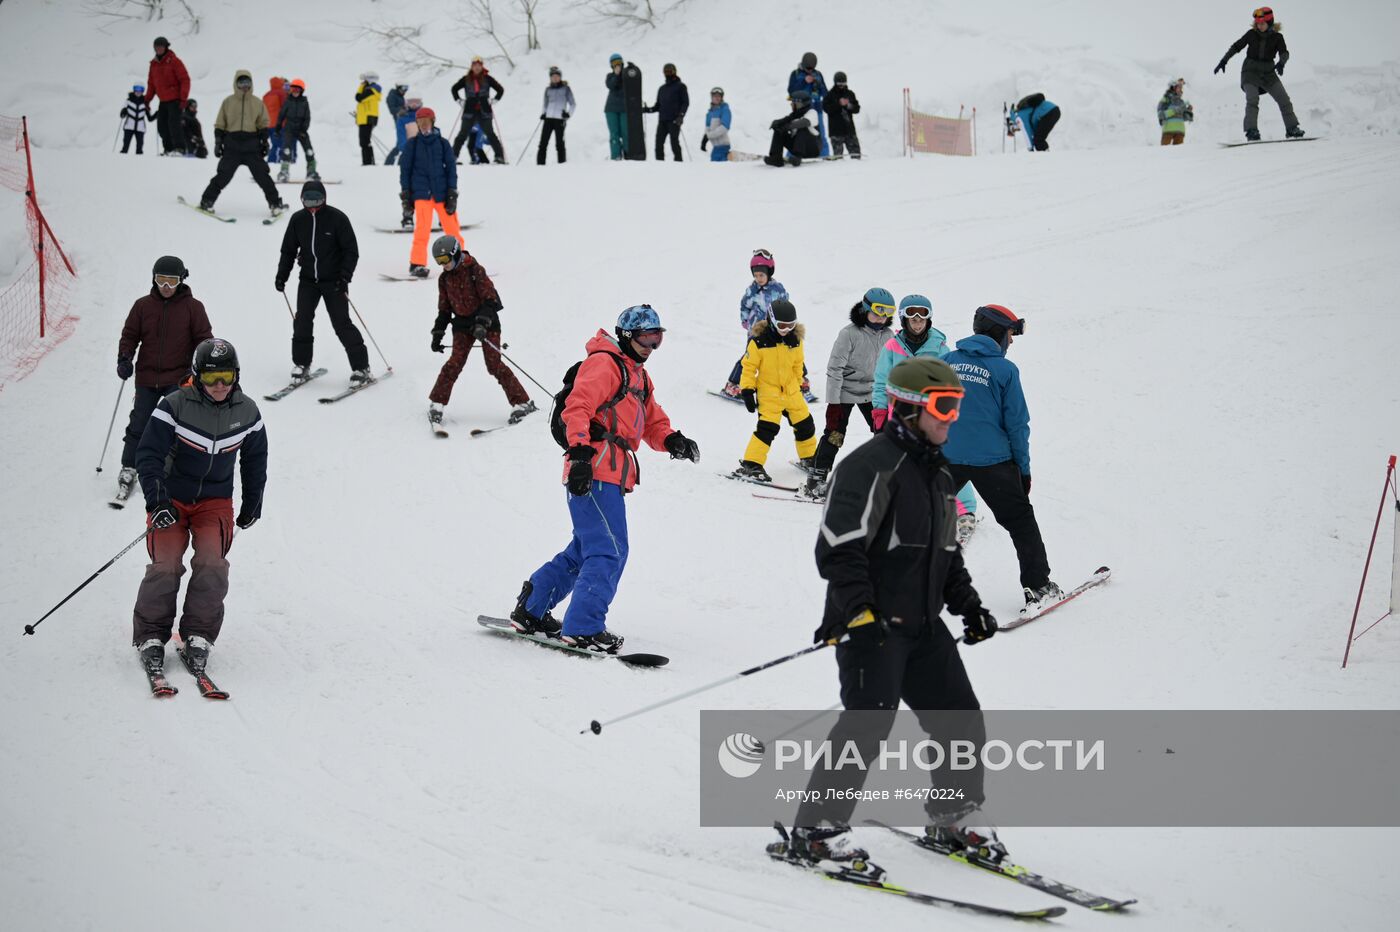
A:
(500, 137)
(685, 146)
(287, 302)
(120, 388)
(461, 107)
(29, 629)
(517, 365)
(597, 727)
(527, 144)
(368, 334)
(120, 123)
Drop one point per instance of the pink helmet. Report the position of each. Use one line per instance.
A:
(762, 259)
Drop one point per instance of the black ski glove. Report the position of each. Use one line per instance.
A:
(541, 116)
(978, 625)
(450, 205)
(682, 447)
(1220, 68)
(279, 283)
(124, 368)
(245, 520)
(480, 327)
(163, 515)
(1026, 485)
(566, 116)
(704, 140)
(437, 340)
(406, 199)
(1279, 68)
(581, 470)
(867, 624)
(344, 285)
(750, 399)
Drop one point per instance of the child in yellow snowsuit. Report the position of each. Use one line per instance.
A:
(771, 384)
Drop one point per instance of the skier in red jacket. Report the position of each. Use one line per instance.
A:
(169, 81)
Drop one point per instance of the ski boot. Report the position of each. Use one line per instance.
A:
(206, 205)
(299, 373)
(1251, 135)
(807, 392)
(604, 642)
(769, 160)
(361, 376)
(284, 173)
(977, 843)
(967, 525)
(311, 173)
(1042, 596)
(522, 621)
(152, 656)
(195, 654)
(794, 160)
(811, 846)
(277, 207)
(418, 271)
(406, 223)
(521, 410)
(731, 390)
(435, 414)
(750, 471)
(1295, 133)
(126, 481)
(815, 486)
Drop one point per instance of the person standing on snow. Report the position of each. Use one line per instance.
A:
(672, 101)
(397, 103)
(558, 106)
(1173, 113)
(990, 446)
(428, 185)
(240, 138)
(892, 564)
(294, 124)
(405, 128)
(610, 411)
(473, 92)
(367, 97)
(1039, 117)
(274, 98)
(168, 80)
(806, 77)
(717, 123)
(615, 109)
(134, 114)
(165, 325)
(794, 133)
(1259, 73)
(468, 300)
(850, 373)
(186, 461)
(917, 337)
(771, 386)
(322, 238)
(841, 107)
(194, 132)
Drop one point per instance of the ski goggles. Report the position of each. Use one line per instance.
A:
(651, 339)
(314, 199)
(243, 82)
(785, 328)
(883, 310)
(215, 376)
(941, 401)
(917, 313)
(764, 253)
(169, 281)
(444, 259)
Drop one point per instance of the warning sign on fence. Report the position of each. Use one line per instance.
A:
(924, 132)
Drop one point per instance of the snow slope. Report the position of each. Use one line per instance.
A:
(1209, 361)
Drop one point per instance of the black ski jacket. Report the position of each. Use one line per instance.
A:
(1258, 67)
(888, 539)
(324, 242)
(295, 115)
(838, 118)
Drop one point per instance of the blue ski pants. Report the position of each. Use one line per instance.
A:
(590, 566)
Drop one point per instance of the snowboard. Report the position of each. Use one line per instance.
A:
(632, 97)
(502, 626)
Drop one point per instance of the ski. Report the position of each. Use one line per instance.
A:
(293, 385)
(207, 689)
(356, 388)
(503, 626)
(276, 215)
(478, 431)
(403, 278)
(438, 429)
(872, 879)
(791, 498)
(464, 226)
(305, 180)
(766, 485)
(1265, 142)
(160, 686)
(1016, 872)
(734, 398)
(207, 213)
(1028, 615)
(735, 156)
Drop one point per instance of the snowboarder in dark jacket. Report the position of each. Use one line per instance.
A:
(294, 123)
(186, 460)
(473, 92)
(795, 133)
(840, 106)
(1260, 73)
(672, 101)
(889, 553)
(322, 239)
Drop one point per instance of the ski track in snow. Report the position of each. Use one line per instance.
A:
(1209, 362)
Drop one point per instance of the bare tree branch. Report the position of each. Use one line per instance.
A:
(532, 34)
(403, 48)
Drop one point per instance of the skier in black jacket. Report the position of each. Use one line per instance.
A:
(672, 101)
(796, 132)
(840, 106)
(1259, 73)
(322, 238)
(888, 550)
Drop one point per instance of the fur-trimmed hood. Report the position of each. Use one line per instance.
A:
(797, 335)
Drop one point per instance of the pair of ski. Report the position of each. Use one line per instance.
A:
(267, 222)
(794, 497)
(316, 374)
(161, 687)
(503, 626)
(867, 874)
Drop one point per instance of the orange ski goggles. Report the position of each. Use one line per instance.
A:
(943, 402)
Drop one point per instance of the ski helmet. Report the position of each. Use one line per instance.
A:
(425, 113)
(446, 249)
(636, 319)
(878, 301)
(170, 265)
(809, 60)
(614, 57)
(299, 84)
(214, 355)
(997, 322)
(369, 77)
(762, 259)
(782, 311)
(717, 90)
(801, 98)
(138, 88)
(924, 383)
(1264, 15)
(839, 77)
(914, 302)
(313, 194)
